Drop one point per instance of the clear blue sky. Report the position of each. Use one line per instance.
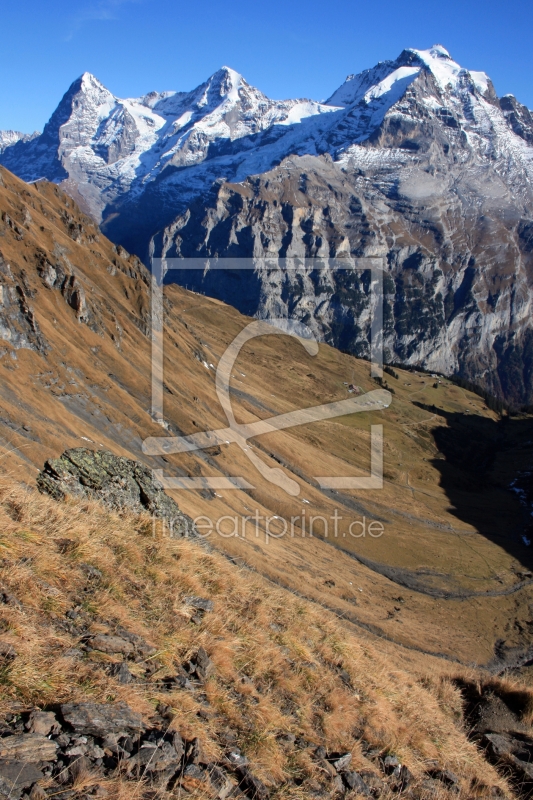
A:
(287, 48)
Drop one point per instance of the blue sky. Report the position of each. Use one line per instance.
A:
(285, 48)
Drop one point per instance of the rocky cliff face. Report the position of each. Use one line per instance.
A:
(457, 281)
(440, 189)
(416, 161)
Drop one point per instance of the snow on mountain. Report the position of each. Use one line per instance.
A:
(8, 138)
(415, 160)
(419, 163)
(139, 162)
(100, 144)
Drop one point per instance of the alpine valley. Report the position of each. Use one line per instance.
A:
(288, 634)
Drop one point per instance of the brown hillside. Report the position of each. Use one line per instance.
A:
(282, 678)
(448, 576)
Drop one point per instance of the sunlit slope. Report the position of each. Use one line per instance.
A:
(447, 575)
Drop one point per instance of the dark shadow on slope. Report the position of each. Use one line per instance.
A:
(486, 469)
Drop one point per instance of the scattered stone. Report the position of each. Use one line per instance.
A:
(73, 652)
(9, 599)
(121, 672)
(355, 782)
(514, 752)
(373, 781)
(342, 763)
(445, 776)
(390, 764)
(498, 745)
(37, 793)
(116, 745)
(195, 778)
(65, 545)
(328, 768)
(154, 758)
(301, 743)
(430, 789)
(195, 772)
(345, 678)
(43, 723)
(251, 784)
(179, 681)
(111, 644)
(99, 720)
(201, 665)
(221, 782)
(141, 645)
(15, 775)
(7, 651)
(236, 758)
(150, 667)
(199, 603)
(28, 747)
(92, 573)
(194, 753)
(405, 778)
(178, 744)
(165, 711)
(287, 739)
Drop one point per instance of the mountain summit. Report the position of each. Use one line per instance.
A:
(110, 150)
(396, 76)
(104, 146)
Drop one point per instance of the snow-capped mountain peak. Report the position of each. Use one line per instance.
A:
(438, 51)
(416, 160)
(88, 81)
(227, 81)
(224, 86)
(446, 71)
(391, 78)
(96, 137)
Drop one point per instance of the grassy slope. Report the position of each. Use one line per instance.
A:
(449, 522)
(278, 659)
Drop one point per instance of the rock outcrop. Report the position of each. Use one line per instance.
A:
(122, 484)
(498, 723)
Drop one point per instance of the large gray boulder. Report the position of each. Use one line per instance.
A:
(122, 484)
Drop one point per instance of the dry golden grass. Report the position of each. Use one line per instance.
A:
(278, 658)
(94, 385)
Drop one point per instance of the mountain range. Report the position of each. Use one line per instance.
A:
(415, 161)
